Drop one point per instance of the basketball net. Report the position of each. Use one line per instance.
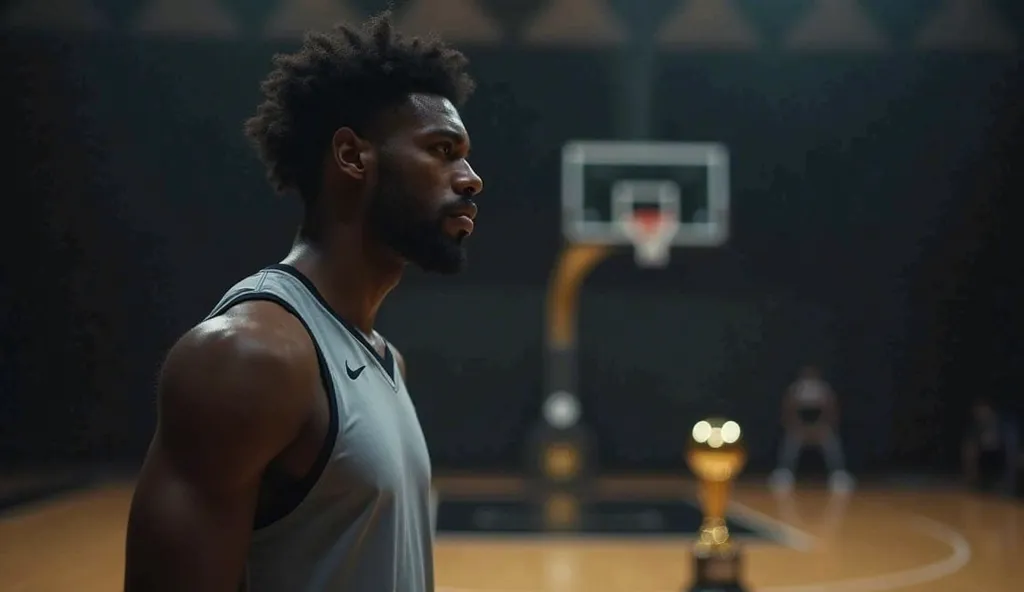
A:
(651, 233)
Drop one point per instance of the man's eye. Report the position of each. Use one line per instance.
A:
(444, 148)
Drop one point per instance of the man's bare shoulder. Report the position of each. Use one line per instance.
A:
(251, 342)
(248, 376)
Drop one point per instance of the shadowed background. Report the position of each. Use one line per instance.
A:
(874, 192)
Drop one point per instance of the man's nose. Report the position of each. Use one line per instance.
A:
(467, 182)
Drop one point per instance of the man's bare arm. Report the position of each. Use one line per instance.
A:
(790, 417)
(234, 392)
(831, 415)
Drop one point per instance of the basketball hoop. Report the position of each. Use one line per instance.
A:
(651, 231)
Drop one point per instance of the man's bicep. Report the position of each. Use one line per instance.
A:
(230, 400)
(184, 532)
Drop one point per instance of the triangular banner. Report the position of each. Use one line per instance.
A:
(187, 18)
(836, 25)
(452, 20)
(65, 15)
(966, 25)
(295, 17)
(586, 23)
(708, 24)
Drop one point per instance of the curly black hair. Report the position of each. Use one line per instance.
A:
(344, 77)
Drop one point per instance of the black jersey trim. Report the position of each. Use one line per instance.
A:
(387, 361)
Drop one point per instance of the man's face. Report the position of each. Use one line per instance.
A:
(420, 204)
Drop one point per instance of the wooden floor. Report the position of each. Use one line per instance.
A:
(874, 540)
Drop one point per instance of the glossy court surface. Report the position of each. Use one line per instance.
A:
(876, 539)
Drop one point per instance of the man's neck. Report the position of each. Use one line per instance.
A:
(352, 275)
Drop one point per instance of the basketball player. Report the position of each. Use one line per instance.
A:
(810, 416)
(990, 448)
(288, 456)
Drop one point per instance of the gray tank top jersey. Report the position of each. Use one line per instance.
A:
(361, 520)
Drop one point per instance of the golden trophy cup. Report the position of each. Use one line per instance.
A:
(716, 455)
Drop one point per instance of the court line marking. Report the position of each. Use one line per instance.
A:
(929, 572)
(785, 532)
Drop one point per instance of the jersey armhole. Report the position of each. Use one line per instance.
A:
(292, 496)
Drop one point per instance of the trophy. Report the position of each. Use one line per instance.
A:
(716, 455)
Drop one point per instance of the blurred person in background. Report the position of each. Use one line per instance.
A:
(810, 417)
(989, 451)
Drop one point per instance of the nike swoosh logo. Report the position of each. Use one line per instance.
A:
(354, 374)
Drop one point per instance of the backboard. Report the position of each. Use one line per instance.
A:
(604, 182)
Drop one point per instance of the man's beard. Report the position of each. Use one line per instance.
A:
(402, 223)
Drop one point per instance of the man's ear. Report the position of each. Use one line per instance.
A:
(352, 155)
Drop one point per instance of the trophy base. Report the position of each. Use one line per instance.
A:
(716, 571)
